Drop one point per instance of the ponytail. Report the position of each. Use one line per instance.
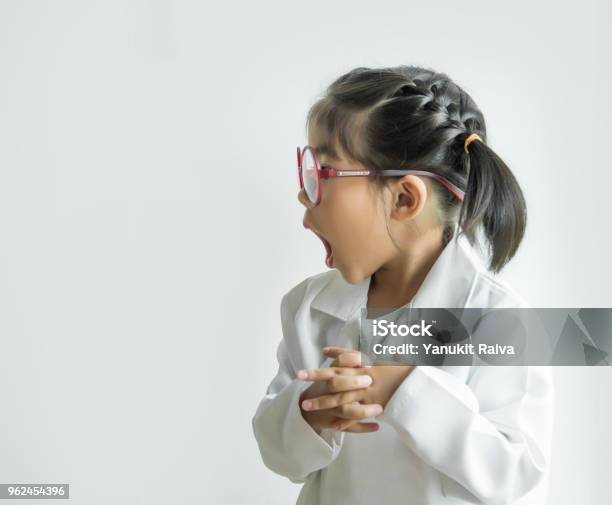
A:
(494, 199)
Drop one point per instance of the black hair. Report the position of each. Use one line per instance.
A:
(409, 117)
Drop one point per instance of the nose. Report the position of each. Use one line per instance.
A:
(304, 200)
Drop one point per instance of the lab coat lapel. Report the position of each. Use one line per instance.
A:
(344, 302)
(341, 299)
(451, 280)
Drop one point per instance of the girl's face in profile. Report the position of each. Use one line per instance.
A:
(350, 219)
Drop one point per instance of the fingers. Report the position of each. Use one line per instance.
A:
(333, 400)
(317, 374)
(350, 415)
(357, 411)
(323, 374)
(343, 357)
(339, 383)
(334, 352)
(348, 359)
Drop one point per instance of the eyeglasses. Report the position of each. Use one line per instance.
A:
(310, 174)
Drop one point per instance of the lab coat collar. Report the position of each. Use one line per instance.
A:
(448, 284)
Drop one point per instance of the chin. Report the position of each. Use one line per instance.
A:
(352, 276)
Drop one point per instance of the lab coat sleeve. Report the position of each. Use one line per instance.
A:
(490, 435)
(289, 446)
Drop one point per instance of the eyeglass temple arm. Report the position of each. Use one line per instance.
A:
(458, 193)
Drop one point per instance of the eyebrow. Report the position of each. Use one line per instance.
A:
(327, 150)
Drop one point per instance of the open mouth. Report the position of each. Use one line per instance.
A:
(329, 254)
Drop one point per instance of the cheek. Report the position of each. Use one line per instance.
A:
(359, 224)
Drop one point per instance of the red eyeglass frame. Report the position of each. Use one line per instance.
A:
(330, 172)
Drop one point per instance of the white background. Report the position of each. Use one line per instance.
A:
(149, 223)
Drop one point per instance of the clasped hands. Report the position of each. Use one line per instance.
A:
(346, 392)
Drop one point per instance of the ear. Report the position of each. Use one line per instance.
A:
(409, 197)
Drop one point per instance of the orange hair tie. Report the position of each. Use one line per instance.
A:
(469, 140)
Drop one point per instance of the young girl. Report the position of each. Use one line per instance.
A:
(400, 185)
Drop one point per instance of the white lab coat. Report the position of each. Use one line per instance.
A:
(449, 434)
